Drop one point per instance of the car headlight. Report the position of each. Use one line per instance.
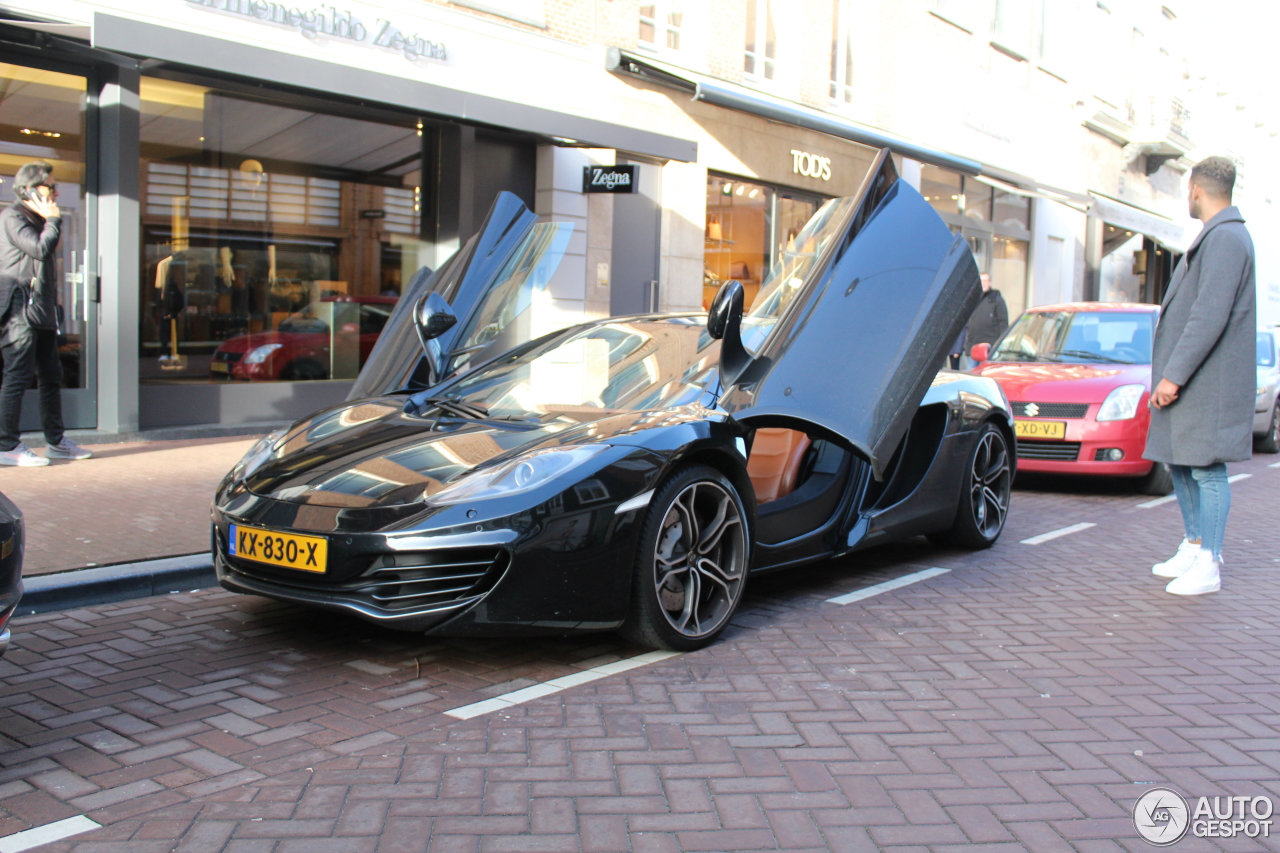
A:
(257, 355)
(1122, 403)
(521, 474)
(259, 453)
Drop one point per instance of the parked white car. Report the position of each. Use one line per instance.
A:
(1266, 409)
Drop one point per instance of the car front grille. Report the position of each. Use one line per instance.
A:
(428, 579)
(1024, 409)
(1060, 450)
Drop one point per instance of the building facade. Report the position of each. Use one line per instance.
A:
(248, 185)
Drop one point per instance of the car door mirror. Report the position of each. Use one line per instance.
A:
(980, 352)
(724, 323)
(432, 317)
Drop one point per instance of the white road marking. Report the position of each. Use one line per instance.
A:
(1235, 477)
(1157, 502)
(555, 685)
(1062, 531)
(1274, 465)
(38, 836)
(897, 583)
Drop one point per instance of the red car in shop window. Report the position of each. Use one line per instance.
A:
(1078, 377)
(301, 347)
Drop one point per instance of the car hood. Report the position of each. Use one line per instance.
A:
(372, 453)
(1063, 383)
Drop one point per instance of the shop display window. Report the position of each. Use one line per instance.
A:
(748, 227)
(275, 240)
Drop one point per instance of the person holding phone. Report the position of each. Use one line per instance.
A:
(29, 232)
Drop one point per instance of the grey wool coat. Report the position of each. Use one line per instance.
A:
(1206, 344)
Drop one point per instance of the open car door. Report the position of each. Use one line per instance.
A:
(491, 284)
(854, 324)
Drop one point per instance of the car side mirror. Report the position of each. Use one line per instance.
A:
(724, 323)
(980, 352)
(432, 317)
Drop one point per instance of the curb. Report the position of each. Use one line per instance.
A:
(120, 582)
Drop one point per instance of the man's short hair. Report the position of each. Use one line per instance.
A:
(31, 175)
(1216, 176)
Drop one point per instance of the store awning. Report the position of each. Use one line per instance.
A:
(165, 44)
(721, 94)
(1162, 229)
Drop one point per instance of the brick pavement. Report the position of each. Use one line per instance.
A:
(1022, 701)
(132, 501)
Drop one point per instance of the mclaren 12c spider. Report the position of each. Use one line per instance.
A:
(631, 473)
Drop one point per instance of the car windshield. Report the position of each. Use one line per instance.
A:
(1266, 350)
(1085, 337)
(618, 367)
(793, 266)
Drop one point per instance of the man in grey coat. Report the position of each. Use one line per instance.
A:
(1202, 368)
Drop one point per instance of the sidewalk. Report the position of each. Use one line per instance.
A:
(127, 508)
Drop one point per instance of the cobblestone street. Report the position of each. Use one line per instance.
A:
(1026, 697)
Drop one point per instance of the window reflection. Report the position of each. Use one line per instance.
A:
(275, 240)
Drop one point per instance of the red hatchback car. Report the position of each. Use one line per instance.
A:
(304, 346)
(1078, 377)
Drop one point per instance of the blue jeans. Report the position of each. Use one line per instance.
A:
(1204, 496)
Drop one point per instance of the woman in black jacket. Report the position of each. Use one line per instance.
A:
(29, 233)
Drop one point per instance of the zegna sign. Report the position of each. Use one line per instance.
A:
(330, 22)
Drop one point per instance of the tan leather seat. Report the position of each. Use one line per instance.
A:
(774, 464)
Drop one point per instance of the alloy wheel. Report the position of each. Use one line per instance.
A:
(699, 559)
(990, 483)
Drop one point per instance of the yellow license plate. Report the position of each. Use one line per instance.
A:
(219, 367)
(289, 550)
(1040, 429)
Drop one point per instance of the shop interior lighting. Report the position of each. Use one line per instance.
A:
(48, 134)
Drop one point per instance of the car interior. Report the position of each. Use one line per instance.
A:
(799, 479)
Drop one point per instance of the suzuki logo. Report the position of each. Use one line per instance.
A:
(1031, 410)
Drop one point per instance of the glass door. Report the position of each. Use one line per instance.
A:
(42, 119)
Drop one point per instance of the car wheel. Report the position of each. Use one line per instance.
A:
(691, 567)
(302, 369)
(984, 502)
(1270, 442)
(1158, 482)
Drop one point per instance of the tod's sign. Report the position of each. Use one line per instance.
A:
(329, 22)
(810, 165)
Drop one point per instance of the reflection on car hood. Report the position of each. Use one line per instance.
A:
(1064, 383)
(371, 453)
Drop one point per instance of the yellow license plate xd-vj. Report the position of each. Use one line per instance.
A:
(307, 553)
(1040, 429)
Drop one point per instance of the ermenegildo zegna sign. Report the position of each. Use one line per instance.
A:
(608, 179)
(330, 22)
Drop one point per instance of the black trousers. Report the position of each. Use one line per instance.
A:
(29, 352)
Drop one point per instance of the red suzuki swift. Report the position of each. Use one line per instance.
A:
(1078, 376)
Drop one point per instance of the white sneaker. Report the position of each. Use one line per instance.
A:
(1178, 564)
(66, 449)
(22, 456)
(1204, 576)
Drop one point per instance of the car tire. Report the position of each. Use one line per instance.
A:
(691, 566)
(1269, 442)
(984, 500)
(303, 369)
(1157, 482)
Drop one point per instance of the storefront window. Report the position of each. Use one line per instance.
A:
(749, 225)
(941, 188)
(1012, 210)
(977, 200)
(1009, 272)
(44, 122)
(275, 240)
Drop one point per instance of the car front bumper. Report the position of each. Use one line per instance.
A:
(1087, 447)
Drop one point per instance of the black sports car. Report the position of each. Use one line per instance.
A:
(630, 473)
(11, 547)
